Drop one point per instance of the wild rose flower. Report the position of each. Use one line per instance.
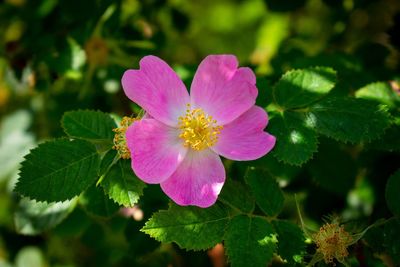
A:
(179, 143)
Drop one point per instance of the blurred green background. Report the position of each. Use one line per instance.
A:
(61, 55)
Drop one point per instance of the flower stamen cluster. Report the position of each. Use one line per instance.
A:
(198, 130)
(332, 241)
(120, 137)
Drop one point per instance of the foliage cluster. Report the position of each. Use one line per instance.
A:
(325, 74)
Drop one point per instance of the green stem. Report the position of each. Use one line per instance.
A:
(115, 160)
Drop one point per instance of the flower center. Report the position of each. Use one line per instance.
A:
(198, 130)
(120, 138)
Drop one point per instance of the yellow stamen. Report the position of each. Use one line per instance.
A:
(332, 242)
(198, 130)
(120, 138)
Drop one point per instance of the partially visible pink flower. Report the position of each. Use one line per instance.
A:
(179, 144)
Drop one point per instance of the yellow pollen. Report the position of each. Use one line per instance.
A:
(198, 130)
(332, 242)
(120, 138)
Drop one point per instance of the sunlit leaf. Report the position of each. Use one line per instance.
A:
(296, 141)
(122, 185)
(249, 241)
(298, 88)
(190, 227)
(30, 256)
(15, 141)
(291, 241)
(379, 92)
(32, 218)
(349, 119)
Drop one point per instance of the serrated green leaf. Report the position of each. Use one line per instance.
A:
(291, 241)
(392, 193)
(88, 124)
(296, 142)
(269, 196)
(191, 228)
(379, 92)
(32, 218)
(250, 241)
(96, 202)
(122, 185)
(58, 170)
(349, 119)
(237, 195)
(299, 88)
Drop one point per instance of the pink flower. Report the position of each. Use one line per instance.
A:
(179, 144)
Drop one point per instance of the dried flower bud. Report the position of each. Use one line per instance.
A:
(332, 241)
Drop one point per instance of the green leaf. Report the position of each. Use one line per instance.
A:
(122, 185)
(58, 170)
(291, 241)
(296, 142)
(380, 92)
(392, 237)
(15, 141)
(75, 225)
(277, 169)
(88, 124)
(299, 88)
(392, 193)
(236, 195)
(269, 196)
(97, 203)
(32, 218)
(349, 119)
(333, 168)
(250, 241)
(389, 140)
(190, 227)
(109, 157)
(375, 239)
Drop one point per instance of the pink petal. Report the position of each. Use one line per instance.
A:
(147, 116)
(244, 138)
(157, 89)
(221, 89)
(156, 150)
(197, 181)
